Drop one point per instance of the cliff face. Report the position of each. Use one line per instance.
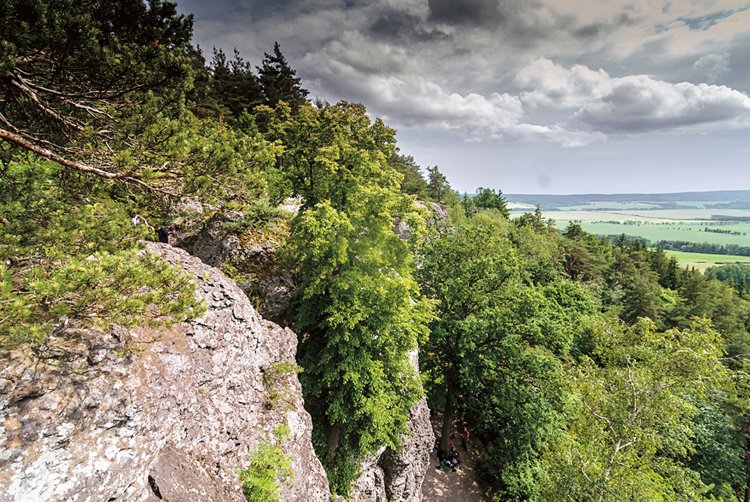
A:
(252, 255)
(155, 414)
(387, 475)
(391, 475)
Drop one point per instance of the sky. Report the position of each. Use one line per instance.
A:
(561, 96)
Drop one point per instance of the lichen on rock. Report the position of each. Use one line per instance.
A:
(153, 413)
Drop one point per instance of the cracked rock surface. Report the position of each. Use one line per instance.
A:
(391, 475)
(153, 414)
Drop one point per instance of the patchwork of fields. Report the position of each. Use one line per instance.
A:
(716, 218)
(702, 261)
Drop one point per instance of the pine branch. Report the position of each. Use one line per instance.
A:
(26, 144)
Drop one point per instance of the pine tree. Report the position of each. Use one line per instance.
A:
(64, 86)
(234, 86)
(488, 198)
(279, 82)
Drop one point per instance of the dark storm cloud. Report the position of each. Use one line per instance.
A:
(451, 64)
(517, 21)
(589, 31)
(235, 10)
(404, 27)
(472, 13)
(594, 30)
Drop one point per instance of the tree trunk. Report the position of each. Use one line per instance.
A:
(334, 435)
(447, 422)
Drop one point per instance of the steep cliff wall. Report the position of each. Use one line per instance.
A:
(154, 414)
(398, 476)
(251, 254)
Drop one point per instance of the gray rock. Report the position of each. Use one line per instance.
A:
(370, 485)
(153, 413)
(436, 217)
(398, 476)
(271, 285)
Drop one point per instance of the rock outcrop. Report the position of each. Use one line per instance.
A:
(398, 476)
(155, 414)
(252, 256)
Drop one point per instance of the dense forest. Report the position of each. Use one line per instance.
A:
(586, 368)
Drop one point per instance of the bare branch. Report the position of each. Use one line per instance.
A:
(19, 140)
(49, 111)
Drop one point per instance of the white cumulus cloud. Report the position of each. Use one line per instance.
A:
(630, 104)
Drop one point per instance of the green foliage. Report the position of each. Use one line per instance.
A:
(632, 432)
(413, 183)
(279, 82)
(268, 469)
(539, 249)
(358, 307)
(488, 198)
(330, 152)
(75, 258)
(74, 68)
(277, 385)
(359, 315)
(259, 213)
(438, 188)
(589, 369)
(719, 449)
(465, 272)
(738, 275)
(584, 257)
(514, 379)
(234, 88)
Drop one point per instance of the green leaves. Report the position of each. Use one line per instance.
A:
(66, 257)
(269, 467)
(358, 307)
(635, 404)
(359, 314)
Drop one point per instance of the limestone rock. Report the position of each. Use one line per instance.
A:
(252, 255)
(437, 212)
(398, 476)
(154, 414)
(437, 217)
(405, 471)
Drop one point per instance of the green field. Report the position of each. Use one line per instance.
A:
(703, 261)
(689, 231)
(699, 217)
(655, 225)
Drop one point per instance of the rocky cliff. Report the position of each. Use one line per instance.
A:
(391, 475)
(154, 414)
(250, 254)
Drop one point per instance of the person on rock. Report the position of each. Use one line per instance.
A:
(163, 232)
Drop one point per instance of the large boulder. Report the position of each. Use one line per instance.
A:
(153, 414)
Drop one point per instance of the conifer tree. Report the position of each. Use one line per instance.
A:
(488, 198)
(233, 84)
(80, 77)
(279, 81)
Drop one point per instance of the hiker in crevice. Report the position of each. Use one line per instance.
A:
(163, 232)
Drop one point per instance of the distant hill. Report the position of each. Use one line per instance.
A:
(734, 199)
